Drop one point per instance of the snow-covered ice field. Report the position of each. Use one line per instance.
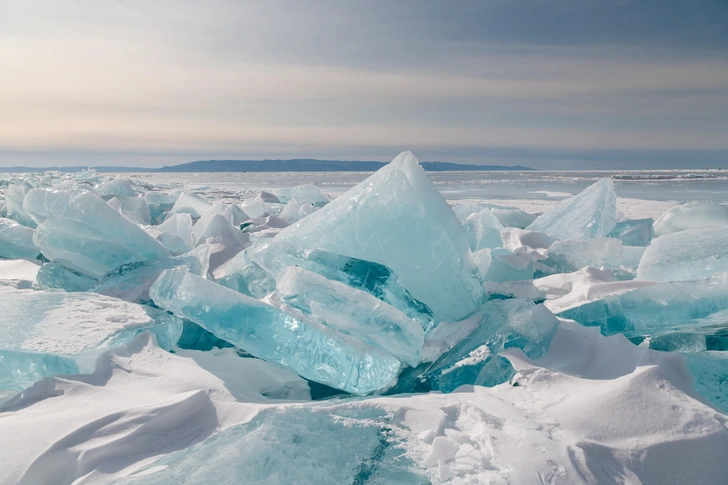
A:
(397, 327)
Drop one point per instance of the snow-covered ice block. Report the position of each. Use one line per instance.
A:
(590, 214)
(194, 205)
(484, 230)
(675, 307)
(637, 232)
(692, 215)
(296, 210)
(508, 216)
(352, 312)
(53, 275)
(685, 255)
(374, 278)
(496, 326)
(131, 282)
(16, 241)
(308, 348)
(251, 280)
(397, 218)
(43, 333)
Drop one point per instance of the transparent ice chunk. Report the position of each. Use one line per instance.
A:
(373, 278)
(118, 187)
(251, 280)
(397, 218)
(194, 205)
(590, 214)
(638, 232)
(710, 376)
(14, 196)
(352, 312)
(484, 230)
(308, 348)
(53, 275)
(16, 241)
(303, 193)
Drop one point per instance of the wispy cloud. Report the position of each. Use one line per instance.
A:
(154, 81)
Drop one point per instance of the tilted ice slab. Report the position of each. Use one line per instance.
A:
(194, 205)
(668, 308)
(570, 256)
(352, 312)
(373, 278)
(131, 282)
(251, 280)
(53, 275)
(590, 214)
(693, 215)
(397, 218)
(14, 196)
(308, 348)
(470, 348)
(84, 233)
(43, 333)
(685, 255)
(16, 240)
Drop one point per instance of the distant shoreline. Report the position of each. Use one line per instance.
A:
(293, 165)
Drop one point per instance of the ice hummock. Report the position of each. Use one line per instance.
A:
(308, 348)
(82, 232)
(666, 310)
(398, 218)
(592, 213)
(352, 312)
(685, 255)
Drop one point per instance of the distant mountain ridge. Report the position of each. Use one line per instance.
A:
(293, 165)
(314, 165)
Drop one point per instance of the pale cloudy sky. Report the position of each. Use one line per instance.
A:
(550, 84)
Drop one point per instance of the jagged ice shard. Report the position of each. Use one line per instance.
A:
(43, 333)
(352, 312)
(398, 218)
(306, 347)
(82, 232)
(685, 255)
(590, 214)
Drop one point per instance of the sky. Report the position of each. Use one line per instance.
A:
(593, 84)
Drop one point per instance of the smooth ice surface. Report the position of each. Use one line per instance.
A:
(251, 280)
(569, 256)
(296, 210)
(692, 215)
(85, 234)
(119, 187)
(663, 309)
(505, 265)
(352, 312)
(710, 374)
(685, 255)
(310, 349)
(637, 232)
(14, 196)
(484, 230)
(18, 269)
(508, 216)
(474, 359)
(373, 278)
(590, 214)
(175, 233)
(16, 240)
(397, 218)
(53, 275)
(303, 193)
(43, 333)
